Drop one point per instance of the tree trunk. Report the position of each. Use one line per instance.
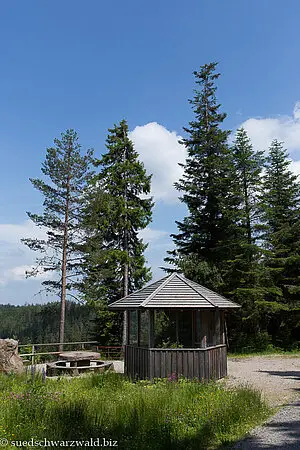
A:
(64, 262)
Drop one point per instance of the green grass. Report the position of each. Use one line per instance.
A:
(269, 352)
(161, 415)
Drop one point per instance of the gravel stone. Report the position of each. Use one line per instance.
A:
(281, 432)
(278, 377)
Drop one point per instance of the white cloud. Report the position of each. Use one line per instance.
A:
(295, 167)
(13, 233)
(296, 111)
(284, 128)
(160, 151)
(18, 273)
(150, 235)
(15, 257)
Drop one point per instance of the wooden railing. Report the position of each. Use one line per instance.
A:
(109, 352)
(201, 363)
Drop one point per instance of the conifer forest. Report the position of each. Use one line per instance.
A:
(240, 235)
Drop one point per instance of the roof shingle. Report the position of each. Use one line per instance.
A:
(174, 291)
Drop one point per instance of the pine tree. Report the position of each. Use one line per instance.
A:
(118, 210)
(206, 236)
(280, 202)
(68, 173)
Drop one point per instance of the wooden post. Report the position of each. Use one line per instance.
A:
(32, 355)
(217, 327)
(127, 323)
(203, 329)
(226, 332)
(193, 327)
(151, 327)
(213, 328)
(222, 328)
(177, 328)
(125, 327)
(138, 313)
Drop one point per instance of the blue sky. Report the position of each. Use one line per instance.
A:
(87, 65)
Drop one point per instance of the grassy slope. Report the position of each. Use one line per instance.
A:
(162, 415)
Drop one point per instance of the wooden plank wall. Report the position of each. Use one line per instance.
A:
(202, 363)
(136, 362)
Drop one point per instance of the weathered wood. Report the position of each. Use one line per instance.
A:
(136, 362)
(201, 366)
(217, 326)
(173, 291)
(189, 369)
(193, 328)
(127, 323)
(138, 328)
(201, 363)
(180, 369)
(151, 328)
(177, 327)
(211, 329)
(203, 328)
(157, 364)
(222, 331)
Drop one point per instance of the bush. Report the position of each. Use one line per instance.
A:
(245, 343)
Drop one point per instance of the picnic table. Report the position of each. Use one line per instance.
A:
(74, 363)
(79, 358)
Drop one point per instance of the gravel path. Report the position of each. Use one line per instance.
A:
(281, 432)
(278, 377)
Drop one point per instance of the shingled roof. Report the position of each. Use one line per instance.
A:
(174, 291)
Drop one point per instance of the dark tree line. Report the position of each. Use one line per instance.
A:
(40, 323)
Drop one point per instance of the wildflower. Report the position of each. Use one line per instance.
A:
(173, 377)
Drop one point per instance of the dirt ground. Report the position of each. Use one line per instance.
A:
(278, 377)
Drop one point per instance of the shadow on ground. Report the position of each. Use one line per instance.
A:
(281, 432)
(290, 374)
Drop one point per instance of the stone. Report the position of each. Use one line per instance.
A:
(10, 361)
(79, 356)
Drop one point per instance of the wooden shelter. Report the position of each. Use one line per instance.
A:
(189, 316)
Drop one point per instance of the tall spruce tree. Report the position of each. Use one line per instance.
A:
(248, 166)
(206, 237)
(243, 274)
(118, 210)
(280, 202)
(68, 172)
